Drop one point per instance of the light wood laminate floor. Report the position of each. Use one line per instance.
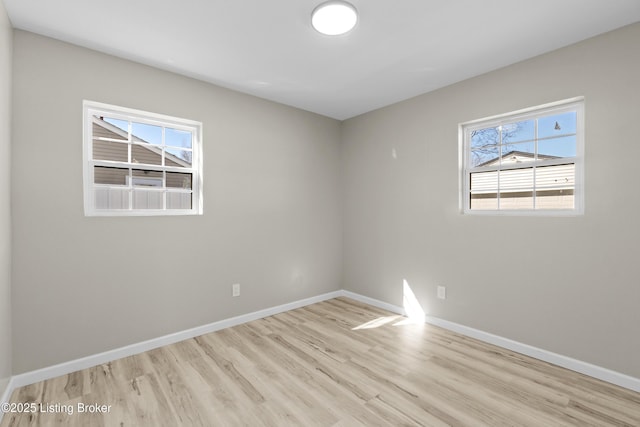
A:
(335, 363)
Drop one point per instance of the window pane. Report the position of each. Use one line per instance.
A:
(178, 157)
(516, 200)
(117, 126)
(557, 147)
(146, 133)
(483, 137)
(110, 176)
(558, 176)
(178, 200)
(147, 178)
(179, 180)
(519, 131)
(484, 182)
(485, 201)
(114, 151)
(146, 154)
(147, 199)
(111, 198)
(558, 124)
(555, 199)
(102, 128)
(177, 138)
(516, 179)
(485, 156)
(513, 154)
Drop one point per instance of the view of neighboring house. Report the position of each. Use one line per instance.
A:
(554, 184)
(143, 187)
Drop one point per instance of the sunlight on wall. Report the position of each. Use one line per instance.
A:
(411, 305)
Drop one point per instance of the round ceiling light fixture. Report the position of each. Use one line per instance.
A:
(334, 18)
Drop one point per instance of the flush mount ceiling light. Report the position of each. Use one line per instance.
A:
(334, 18)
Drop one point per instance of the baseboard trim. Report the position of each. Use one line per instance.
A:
(589, 369)
(32, 377)
(6, 394)
(594, 371)
(374, 302)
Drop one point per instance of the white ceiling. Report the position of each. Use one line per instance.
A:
(399, 49)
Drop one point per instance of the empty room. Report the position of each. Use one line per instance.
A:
(319, 213)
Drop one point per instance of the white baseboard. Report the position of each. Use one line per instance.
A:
(374, 302)
(31, 377)
(6, 394)
(27, 378)
(594, 371)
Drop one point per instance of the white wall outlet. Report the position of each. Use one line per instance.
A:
(442, 292)
(235, 289)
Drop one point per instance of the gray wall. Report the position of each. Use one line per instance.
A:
(568, 285)
(6, 36)
(272, 210)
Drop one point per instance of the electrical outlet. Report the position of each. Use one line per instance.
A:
(235, 289)
(442, 292)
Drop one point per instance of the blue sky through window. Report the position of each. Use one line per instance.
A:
(556, 136)
(153, 134)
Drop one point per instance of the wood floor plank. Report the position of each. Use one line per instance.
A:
(334, 363)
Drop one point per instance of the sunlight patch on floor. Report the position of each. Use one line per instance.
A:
(376, 323)
(414, 312)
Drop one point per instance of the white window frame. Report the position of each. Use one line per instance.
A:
(464, 136)
(91, 109)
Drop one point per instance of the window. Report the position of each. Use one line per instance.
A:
(526, 162)
(140, 163)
